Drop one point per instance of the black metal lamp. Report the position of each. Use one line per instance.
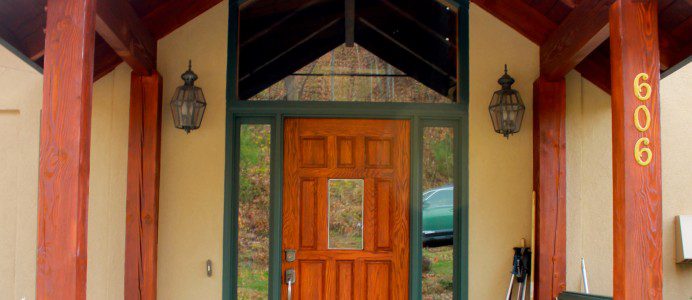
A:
(506, 108)
(188, 103)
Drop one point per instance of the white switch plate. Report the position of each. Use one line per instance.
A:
(683, 239)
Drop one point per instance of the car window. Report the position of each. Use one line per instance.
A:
(444, 197)
(427, 195)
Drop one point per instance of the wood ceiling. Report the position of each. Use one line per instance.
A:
(417, 37)
(410, 34)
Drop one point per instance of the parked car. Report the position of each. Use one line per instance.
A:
(438, 215)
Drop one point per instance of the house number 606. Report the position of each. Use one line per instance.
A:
(639, 150)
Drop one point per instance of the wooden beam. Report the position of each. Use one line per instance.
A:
(63, 191)
(173, 14)
(636, 150)
(549, 185)
(350, 20)
(596, 68)
(584, 29)
(673, 50)
(160, 22)
(537, 27)
(118, 24)
(520, 16)
(143, 164)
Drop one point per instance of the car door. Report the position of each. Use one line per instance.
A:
(438, 211)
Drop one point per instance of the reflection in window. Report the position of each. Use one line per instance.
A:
(253, 212)
(346, 213)
(352, 74)
(438, 212)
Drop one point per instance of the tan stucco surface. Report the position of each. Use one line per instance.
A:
(192, 165)
(590, 188)
(500, 170)
(589, 185)
(20, 104)
(676, 143)
(107, 185)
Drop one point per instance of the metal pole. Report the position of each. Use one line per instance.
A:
(583, 276)
(511, 284)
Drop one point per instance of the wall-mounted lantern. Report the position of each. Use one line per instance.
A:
(506, 108)
(188, 103)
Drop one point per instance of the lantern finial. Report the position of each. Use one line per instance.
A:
(189, 77)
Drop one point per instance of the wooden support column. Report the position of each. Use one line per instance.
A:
(549, 186)
(64, 160)
(636, 150)
(143, 187)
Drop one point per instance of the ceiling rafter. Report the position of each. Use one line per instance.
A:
(120, 27)
(584, 29)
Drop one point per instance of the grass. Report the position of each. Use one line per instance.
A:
(438, 278)
(252, 284)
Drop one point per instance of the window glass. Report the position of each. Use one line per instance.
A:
(253, 212)
(438, 213)
(352, 74)
(346, 213)
(444, 197)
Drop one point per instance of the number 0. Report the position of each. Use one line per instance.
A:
(647, 118)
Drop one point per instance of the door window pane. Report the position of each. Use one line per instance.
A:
(346, 213)
(253, 212)
(438, 213)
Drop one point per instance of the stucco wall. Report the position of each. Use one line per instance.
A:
(590, 188)
(500, 170)
(20, 105)
(107, 185)
(676, 133)
(589, 185)
(192, 165)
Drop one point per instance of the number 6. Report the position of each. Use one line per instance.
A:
(639, 86)
(639, 151)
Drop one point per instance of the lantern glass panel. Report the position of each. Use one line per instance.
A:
(506, 111)
(188, 107)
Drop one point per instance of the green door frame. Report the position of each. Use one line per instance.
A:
(420, 115)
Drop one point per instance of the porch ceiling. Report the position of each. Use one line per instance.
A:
(279, 37)
(22, 24)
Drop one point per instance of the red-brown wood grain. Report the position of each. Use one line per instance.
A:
(118, 24)
(63, 192)
(144, 148)
(316, 151)
(549, 184)
(520, 16)
(584, 29)
(636, 189)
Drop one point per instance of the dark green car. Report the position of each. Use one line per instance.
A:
(438, 212)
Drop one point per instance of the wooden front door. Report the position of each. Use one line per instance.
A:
(346, 208)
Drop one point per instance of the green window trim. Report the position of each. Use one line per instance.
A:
(420, 115)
